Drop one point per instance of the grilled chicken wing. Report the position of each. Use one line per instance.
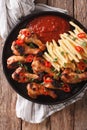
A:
(12, 61)
(23, 49)
(15, 61)
(34, 90)
(72, 77)
(29, 37)
(39, 66)
(22, 76)
(36, 41)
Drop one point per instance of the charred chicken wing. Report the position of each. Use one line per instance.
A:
(34, 90)
(39, 66)
(23, 49)
(72, 77)
(22, 76)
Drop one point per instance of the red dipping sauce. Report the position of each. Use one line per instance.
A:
(49, 27)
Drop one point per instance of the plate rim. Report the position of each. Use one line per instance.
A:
(18, 24)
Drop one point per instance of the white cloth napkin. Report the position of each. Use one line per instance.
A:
(10, 12)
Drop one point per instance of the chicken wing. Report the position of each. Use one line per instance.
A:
(30, 37)
(23, 49)
(36, 41)
(38, 65)
(34, 90)
(22, 76)
(12, 61)
(72, 77)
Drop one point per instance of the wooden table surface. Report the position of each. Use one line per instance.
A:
(73, 117)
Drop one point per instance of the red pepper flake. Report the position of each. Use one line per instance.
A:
(79, 49)
(19, 42)
(25, 32)
(66, 88)
(29, 58)
(81, 65)
(47, 64)
(21, 74)
(47, 78)
(82, 35)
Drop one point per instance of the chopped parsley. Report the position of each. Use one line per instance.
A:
(53, 69)
(55, 60)
(85, 61)
(58, 74)
(65, 64)
(20, 64)
(74, 38)
(62, 52)
(31, 80)
(84, 44)
(26, 67)
(32, 45)
(76, 76)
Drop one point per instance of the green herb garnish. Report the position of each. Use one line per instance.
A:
(31, 80)
(26, 67)
(65, 64)
(20, 64)
(84, 44)
(74, 38)
(31, 45)
(55, 60)
(62, 52)
(53, 69)
(85, 61)
(58, 74)
(76, 76)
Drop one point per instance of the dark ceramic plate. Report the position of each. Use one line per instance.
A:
(21, 88)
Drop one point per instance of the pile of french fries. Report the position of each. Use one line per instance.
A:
(61, 54)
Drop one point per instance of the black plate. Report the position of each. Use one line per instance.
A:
(21, 88)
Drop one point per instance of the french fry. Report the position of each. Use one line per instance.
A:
(76, 26)
(72, 42)
(73, 57)
(65, 50)
(48, 58)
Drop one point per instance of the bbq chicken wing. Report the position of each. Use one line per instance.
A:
(72, 77)
(39, 66)
(30, 37)
(23, 49)
(22, 76)
(34, 90)
(15, 61)
(12, 61)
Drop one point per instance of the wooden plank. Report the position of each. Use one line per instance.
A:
(80, 119)
(65, 4)
(8, 119)
(63, 120)
(41, 1)
(80, 13)
(45, 125)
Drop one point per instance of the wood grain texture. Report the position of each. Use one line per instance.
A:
(65, 4)
(63, 120)
(80, 116)
(41, 1)
(45, 125)
(8, 119)
(80, 13)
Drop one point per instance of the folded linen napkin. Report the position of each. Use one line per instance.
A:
(11, 11)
